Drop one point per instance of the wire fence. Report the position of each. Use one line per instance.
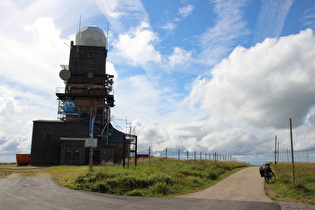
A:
(185, 155)
(299, 156)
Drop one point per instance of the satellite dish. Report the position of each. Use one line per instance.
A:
(90, 75)
(65, 74)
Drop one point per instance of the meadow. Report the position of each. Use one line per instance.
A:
(160, 178)
(170, 177)
(303, 191)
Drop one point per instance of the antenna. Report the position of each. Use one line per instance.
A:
(107, 33)
(79, 35)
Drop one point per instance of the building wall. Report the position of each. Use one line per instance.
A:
(46, 144)
(48, 148)
(73, 152)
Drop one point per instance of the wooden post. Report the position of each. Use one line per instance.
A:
(178, 154)
(166, 153)
(187, 155)
(149, 155)
(91, 159)
(278, 152)
(292, 154)
(215, 157)
(275, 151)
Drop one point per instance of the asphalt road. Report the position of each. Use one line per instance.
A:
(245, 185)
(44, 193)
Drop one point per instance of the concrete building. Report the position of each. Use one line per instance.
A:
(83, 111)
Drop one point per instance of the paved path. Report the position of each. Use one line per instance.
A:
(43, 193)
(244, 185)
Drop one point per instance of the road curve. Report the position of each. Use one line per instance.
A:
(44, 193)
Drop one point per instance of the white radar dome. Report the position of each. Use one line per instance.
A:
(91, 36)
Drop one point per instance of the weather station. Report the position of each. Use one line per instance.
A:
(84, 106)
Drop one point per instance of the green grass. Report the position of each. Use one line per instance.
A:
(161, 178)
(304, 189)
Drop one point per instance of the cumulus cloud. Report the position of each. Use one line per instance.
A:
(137, 45)
(249, 98)
(32, 52)
(179, 57)
(267, 84)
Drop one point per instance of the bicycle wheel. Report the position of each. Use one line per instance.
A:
(267, 179)
(273, 177)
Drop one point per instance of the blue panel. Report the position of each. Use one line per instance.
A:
(68, 106)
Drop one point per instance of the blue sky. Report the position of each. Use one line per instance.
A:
(206, 76)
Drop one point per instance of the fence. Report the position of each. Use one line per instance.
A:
(186, 155)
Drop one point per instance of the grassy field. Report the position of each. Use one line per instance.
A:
(160, 178)
(283, 190)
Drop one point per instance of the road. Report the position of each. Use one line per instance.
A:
(245, 185)
(44, 193)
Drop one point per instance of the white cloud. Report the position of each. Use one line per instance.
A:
(271, 19)
(170, 26)
(137, 46)
(267, 84)
(124, 14)
(186, 11)
(308, 18)
(217, 42)
(179, 57)
(249, 98)
(32, 50)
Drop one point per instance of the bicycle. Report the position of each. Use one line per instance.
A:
(266, 172)
(269, 176)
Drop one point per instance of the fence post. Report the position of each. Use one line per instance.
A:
(187, 154)
(194, 155)
(149, 155)
(215, 157)
(178, 154)
(292, 154)
(166, 153)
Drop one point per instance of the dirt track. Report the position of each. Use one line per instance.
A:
(245, 185)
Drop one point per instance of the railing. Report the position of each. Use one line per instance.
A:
(60, 90)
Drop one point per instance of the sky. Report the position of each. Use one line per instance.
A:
(209, 76)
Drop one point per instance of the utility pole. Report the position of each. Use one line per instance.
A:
(292, 155)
